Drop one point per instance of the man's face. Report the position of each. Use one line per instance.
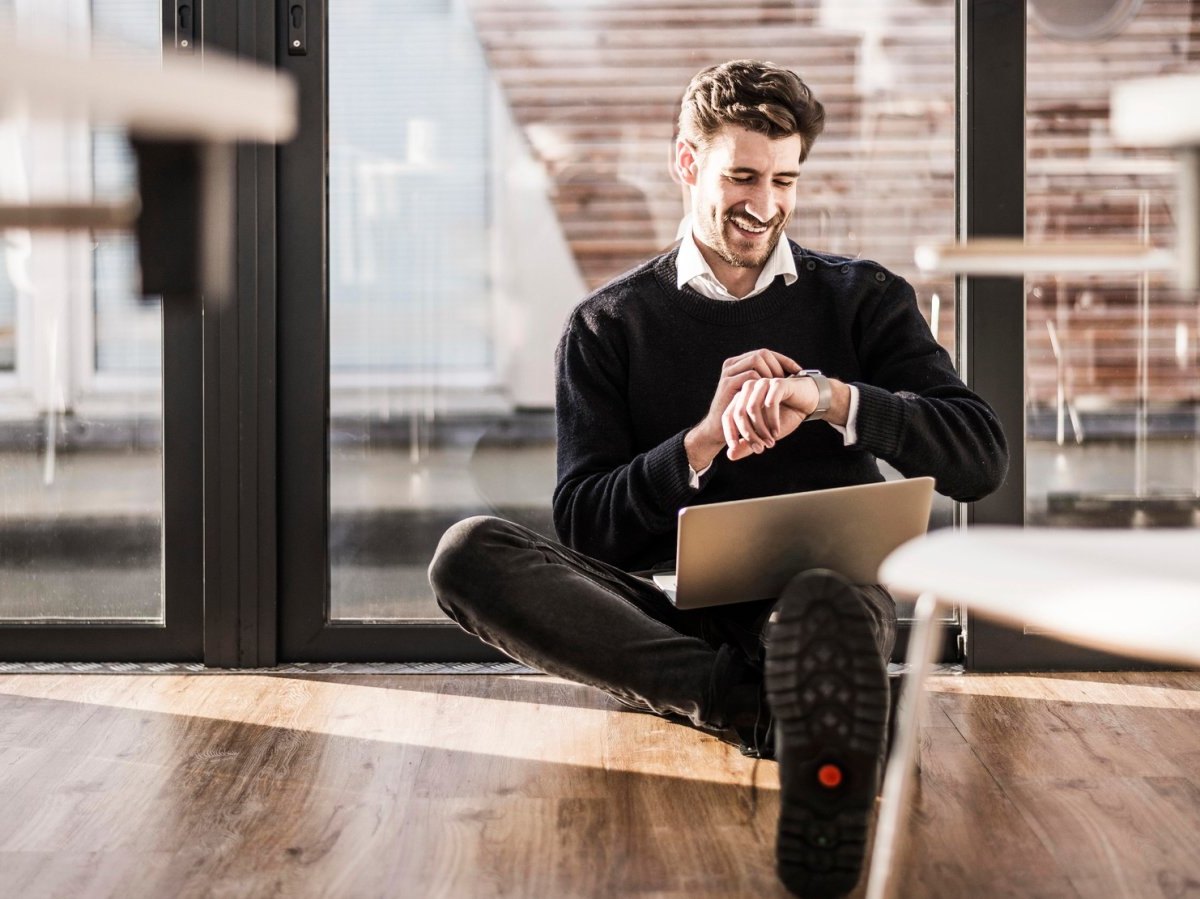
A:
(744, 192)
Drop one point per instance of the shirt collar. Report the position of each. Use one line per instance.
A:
(692, 268)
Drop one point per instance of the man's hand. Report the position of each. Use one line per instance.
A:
(709, 437)
(764, 411)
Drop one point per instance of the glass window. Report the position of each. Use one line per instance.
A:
(1112, 378)
(80, 455)
(490, 164)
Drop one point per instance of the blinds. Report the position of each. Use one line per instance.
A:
(408, 179)
(127, 329)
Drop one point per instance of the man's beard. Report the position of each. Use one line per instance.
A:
(744, 259)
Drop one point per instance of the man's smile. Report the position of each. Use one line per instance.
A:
(750, 226)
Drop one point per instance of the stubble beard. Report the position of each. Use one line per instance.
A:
(731, 255)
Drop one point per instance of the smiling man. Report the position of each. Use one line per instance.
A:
(736, 365)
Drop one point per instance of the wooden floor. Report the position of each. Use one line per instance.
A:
(361, 786)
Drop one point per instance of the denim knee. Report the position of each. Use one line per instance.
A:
(458, 569)
(881, 606)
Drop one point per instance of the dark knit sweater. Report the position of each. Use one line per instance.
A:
(638, 364)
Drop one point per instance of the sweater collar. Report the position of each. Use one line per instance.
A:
(777, 296)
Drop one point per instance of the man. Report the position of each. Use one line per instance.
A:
(674, 388)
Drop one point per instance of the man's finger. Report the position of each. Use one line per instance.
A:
(732, 384)
(790, 365)
(772, 362)
(771, 408)
(735, 414)
(741, 378)
(735, 447)
(736, 364)
(755, 393)
(767, 363)
(740, 451)
(733, 430)
(762, 365)
(745, 426)
(731, 436)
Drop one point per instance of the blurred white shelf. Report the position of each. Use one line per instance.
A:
(1157, 112)
(1097, 166)
(84, 216)
(1000, 256)
(207, 98)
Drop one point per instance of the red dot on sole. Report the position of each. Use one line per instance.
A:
(829, 776)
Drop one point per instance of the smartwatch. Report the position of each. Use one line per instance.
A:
(824, 392)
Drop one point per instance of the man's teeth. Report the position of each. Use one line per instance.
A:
(747, 226)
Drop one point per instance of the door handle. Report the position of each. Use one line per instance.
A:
(185, 25)
(297, 27)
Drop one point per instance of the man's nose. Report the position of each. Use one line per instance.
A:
(762, 204)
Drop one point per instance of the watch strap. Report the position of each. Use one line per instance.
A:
(824, 392)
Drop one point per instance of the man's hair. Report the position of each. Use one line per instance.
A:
(757, 96)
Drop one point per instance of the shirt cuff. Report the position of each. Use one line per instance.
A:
(849, 431)
(695, 476)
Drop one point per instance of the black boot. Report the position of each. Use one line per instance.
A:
(827, 689)
(743, 711)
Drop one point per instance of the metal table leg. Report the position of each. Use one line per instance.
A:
(897, 784)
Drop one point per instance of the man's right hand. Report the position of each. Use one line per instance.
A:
(707, 439)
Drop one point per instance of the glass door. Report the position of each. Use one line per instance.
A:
(466, 172)
(99, 390)
(1111, 404)
(1113, 377)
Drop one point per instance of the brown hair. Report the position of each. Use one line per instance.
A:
(757, 96)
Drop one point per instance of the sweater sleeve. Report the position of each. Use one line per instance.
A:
(610, 499)
(914, 412)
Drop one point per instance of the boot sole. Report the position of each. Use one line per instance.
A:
(827, 689)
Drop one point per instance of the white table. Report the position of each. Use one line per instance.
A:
(1135, 593)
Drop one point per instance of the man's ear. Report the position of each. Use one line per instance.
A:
(686, 163)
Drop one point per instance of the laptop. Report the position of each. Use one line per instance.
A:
(749, 549)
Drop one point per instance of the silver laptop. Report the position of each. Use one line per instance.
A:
(749, 549)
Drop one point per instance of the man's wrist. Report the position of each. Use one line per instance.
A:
(700, 450)
(839, 407)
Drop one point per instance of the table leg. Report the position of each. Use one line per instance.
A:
(897, 783)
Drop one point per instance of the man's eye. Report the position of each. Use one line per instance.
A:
(784, 183)
(739, 179)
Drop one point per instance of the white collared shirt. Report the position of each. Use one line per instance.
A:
(693, 270)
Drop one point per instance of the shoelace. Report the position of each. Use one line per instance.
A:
(758, 710)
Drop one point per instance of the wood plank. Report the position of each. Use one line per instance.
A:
(258, 782)
(1119, 836)
(530, 786)
(1102, 768)
(954, 849)
(1041, 727)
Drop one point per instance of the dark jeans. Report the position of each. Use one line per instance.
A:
(561, 612)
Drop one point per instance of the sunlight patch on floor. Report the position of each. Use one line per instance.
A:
(555, 732)
(1095, 691)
